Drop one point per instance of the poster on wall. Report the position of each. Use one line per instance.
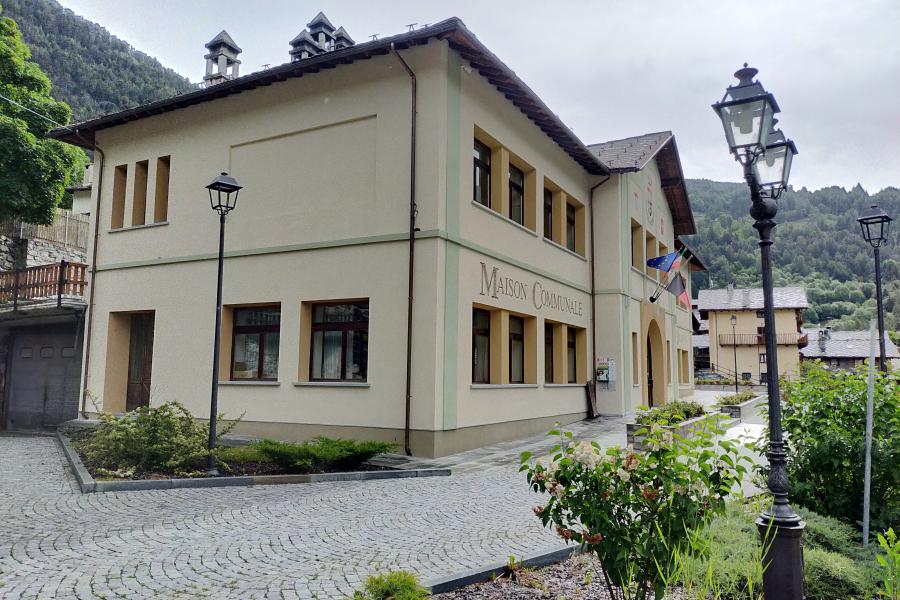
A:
(606, 374)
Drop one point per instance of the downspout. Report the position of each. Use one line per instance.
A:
(592, 368)
(93, 285)
(413, 210)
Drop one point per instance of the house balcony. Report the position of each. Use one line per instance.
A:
(758, 339)
(43, 290)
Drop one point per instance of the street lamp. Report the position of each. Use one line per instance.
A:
(223, 194)
(734, 346)
(875, 225)
(747, 114)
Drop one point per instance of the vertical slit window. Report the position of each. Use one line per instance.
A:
(516, 350)
(340, 342)
(481, 346)
(570, 227)
(139, 196)
(161, 197)
(634, 358)
(481, 176)
(548, 353)
(548, 214)
(120, 178)
(571, 356)
(516, 195)
(254, 346)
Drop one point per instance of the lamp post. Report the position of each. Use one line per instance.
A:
(875, 225)
(734, 346)
(747, 114)
(223, 194)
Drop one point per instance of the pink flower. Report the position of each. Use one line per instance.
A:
(564, 533)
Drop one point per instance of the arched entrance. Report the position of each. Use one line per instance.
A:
(654, 368)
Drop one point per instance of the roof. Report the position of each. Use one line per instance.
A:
(453, 30)
(700, 340)
(321, 20)
(303, 36)
(223, 39)
(750, 299)
(844, 344)
(633, 154)
(342, 33)
(690, 254)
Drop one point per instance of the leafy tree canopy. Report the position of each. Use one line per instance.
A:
(34, 171)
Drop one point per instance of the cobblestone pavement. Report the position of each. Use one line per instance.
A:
(287, 541)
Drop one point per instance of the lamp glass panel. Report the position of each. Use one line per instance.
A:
(770, 167)
(745, 121)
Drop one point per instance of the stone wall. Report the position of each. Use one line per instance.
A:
(21, 253)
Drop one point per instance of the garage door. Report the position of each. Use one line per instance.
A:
(44, 377)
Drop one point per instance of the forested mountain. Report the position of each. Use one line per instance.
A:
(92, 71)
(817, 245)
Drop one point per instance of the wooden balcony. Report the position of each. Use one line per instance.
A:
(44, 284)
(755, 339)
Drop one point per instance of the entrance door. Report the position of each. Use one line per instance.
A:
(140, 361)
(649, 373)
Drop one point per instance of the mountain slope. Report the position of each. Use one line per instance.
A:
(91, 70)
(817, 245)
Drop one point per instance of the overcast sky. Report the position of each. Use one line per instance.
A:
(612, 69)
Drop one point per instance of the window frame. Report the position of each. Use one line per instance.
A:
(344, 327)
(262, 330)
(520, 189)
(486, 333)
(479, 165)
(513, 337)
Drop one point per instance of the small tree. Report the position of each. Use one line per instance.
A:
(636, 511)
(34, 170)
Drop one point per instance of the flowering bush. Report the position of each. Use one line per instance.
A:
(634, 510)
(670, 413)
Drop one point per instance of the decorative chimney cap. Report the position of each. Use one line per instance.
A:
(320, 22)
(223, 39)
(341, 35)
(303, 36)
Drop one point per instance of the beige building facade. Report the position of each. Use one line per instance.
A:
(516, 222)
(737, 331)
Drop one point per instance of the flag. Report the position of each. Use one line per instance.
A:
(666, 262)
(679, 290)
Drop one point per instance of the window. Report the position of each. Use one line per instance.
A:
(571, 355)
(637, 245)
(548, 214)
(634, 358)
(139, 197)
(760, 314)
(516, 350)
(516, 195)
(118, 201)
(548, 353)
(482, 174)
(570, 227)
(340, 342)
(161, 197)
(481, 346)
(254, 344)
(651, 252)
(762, 358)
(668, 362)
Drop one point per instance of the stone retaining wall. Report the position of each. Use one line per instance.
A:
(21, 253)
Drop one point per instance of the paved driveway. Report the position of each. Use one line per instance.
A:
(288, 541)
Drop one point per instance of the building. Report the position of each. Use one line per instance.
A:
(737, 330)
(409, 188)
(844, 349)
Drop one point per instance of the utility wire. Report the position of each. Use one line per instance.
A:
(34, 112)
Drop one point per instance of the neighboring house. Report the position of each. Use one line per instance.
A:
(81, 193)
(844, 349)
(516, 223)
(42, 284)
(745, 343)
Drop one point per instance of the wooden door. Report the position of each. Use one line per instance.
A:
(140, 361)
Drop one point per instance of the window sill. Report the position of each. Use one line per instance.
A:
(339, 384)
(564, 249)
(505, 218)
(250, 382)
(564, 385)
(497, 386)
(133, 227)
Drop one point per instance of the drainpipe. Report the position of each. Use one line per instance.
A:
(93, 286)
(413, 210)
(592, 369)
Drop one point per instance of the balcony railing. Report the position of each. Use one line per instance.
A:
(44, 283)
(759, 339)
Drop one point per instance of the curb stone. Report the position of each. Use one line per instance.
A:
(481, 574)
(90, 485)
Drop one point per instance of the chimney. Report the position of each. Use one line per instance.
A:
(824, 336)
(221, 60)
(342, 39)
(319, 36)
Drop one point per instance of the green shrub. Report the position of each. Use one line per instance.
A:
(394, 585)
(824, 415)
(889, 561)
(830, 576)
(735, 398)
(320, 454)
(670, 413)
(165, 438)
